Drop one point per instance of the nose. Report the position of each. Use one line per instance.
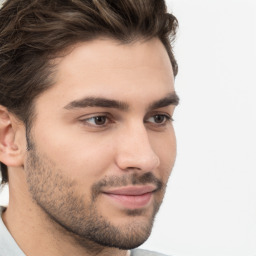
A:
(134, 150)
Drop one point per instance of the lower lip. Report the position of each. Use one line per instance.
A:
(131, 202)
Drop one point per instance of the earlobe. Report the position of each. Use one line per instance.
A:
(10, 150)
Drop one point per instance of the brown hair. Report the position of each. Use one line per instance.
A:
(32, 32)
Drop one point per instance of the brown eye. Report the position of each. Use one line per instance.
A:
(96, 120)
(159, 119)
(100, 120)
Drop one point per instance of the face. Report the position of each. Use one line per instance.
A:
(102, 144)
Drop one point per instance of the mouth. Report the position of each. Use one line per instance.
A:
(132, 197)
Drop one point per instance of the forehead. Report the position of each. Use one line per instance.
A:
(109, 69)
(109, 50)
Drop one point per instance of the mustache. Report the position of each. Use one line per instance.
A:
(125, 180)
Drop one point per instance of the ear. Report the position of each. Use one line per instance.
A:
(11, 148)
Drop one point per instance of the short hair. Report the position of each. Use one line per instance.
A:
(33, 32)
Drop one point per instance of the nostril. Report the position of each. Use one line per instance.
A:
(132, 168)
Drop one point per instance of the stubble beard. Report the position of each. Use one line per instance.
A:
(58, 198)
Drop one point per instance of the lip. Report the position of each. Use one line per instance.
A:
(132, 197)
(131, 190)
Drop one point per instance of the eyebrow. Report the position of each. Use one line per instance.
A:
(97, 102)
(170, 99)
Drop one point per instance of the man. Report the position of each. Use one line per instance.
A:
(86, 136)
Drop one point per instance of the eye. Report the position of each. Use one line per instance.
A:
(159, 119)
(96, 120)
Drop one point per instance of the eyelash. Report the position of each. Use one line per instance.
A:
(103, 115)
(167, 119)
(109, 120)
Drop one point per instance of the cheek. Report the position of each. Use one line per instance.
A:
(82, 156)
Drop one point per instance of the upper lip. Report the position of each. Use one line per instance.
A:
(131, 190)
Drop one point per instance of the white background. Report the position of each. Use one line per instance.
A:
(210, 206)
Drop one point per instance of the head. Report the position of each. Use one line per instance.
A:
(87, 58)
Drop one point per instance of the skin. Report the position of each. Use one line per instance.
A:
(58, 187)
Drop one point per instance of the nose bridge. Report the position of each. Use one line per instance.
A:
(135, 150)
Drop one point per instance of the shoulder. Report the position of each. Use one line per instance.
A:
(140, 252)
